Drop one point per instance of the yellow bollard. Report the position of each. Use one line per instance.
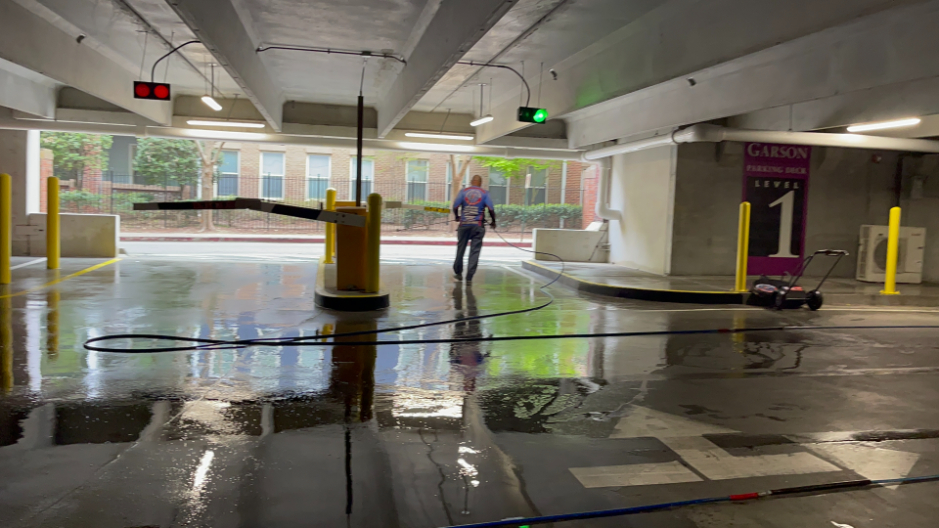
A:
(743, 247)
(6, 227)
(893, 250)
(53, 296)
(373, 245)
(330, 228)
(53, 247)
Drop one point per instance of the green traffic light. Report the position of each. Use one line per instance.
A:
(527, 114)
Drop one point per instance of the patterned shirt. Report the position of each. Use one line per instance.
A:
(473, 200)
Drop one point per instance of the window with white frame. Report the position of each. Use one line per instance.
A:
(272, 175)
(498, 187)
(418, 170)
(317, 176)
(536, 183)
(368, 176)
(227, 184)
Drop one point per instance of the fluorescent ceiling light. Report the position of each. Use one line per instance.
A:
(482, 120)
(436, 147)
(222, 134)
(235, 124)
(885, 124)
(211, 102)
(438, 136)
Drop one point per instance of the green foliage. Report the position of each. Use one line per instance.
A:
(160, 160)
(538, 215)
(515, 168)
(75, 200)
(74, 153)
(125, 201)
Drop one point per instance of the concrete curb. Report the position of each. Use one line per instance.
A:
(302, 240)
(642, 294)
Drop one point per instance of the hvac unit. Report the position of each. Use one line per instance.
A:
(872, 255)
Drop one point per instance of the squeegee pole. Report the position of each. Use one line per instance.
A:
(358, 153)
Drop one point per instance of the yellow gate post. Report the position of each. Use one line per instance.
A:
(743, 247)
(373, 252)
(893, 250)
(6, 227)
(330, 228)
(53, 247)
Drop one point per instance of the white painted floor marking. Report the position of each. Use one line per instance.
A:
(30, 263)
(871, 462)
(644, 422)
(634, 475)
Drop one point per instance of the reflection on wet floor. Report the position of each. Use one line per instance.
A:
(430, 435)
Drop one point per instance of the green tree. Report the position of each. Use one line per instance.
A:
(160, 160)
(517, 167)
(75, 152)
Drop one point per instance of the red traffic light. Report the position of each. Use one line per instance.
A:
(151, 90)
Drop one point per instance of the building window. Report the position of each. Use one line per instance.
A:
(317, 176)
(272, 175)
(368, 176)
(227, 184)
(417, 180)
(498, 187)
(536, 183)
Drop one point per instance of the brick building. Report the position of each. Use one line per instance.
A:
(298, 174)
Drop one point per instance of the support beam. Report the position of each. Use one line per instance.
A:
(33, 43)
(455, 28)
(217, 25)
(868, 58)
(25, 95)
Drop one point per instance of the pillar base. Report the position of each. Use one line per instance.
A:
(328, 296)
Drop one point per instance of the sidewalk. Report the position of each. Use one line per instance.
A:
(618, 281)
(491, 239)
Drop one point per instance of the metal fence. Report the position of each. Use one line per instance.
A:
(526, 209)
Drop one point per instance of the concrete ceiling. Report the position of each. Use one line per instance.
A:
(623, 68)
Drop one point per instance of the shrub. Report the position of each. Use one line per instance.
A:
(78, 199)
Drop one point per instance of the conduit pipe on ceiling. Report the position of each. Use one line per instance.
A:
(716, 134)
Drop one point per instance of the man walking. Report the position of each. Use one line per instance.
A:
(469, 208)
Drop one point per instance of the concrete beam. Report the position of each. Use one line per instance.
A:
(872, 56)
(25, 95)
(217, 25)
(454, 29)
(33, 43)
(882, 103)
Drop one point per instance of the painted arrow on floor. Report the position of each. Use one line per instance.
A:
(685, 438)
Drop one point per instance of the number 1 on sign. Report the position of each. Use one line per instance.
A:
(785, 225)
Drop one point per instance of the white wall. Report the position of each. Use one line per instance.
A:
(643, 189)
(847, 188)
(16, 147)
(81, 235)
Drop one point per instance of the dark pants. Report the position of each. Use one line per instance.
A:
(466, 234)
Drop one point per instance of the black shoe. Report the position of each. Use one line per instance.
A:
(458, 276)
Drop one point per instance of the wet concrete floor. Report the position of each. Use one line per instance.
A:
(430, 435)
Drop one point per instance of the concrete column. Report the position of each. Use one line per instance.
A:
(643, 188)
(19, 157)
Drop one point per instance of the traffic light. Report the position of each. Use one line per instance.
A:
(151, 90)
(527, 114)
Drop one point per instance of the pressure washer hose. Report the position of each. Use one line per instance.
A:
(618, 512)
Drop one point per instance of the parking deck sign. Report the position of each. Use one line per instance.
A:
(776, 183)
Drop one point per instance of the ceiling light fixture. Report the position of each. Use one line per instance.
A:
(209, 100)
(233, 124)
(224, 134)
(482, 120)
(899, 123)
(485, 118)
(438, 136)
(436, 147)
